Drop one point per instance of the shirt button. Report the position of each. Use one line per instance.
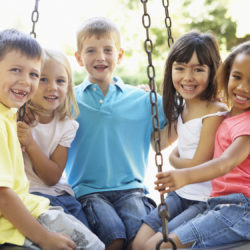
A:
(94, 89)
(101, 101)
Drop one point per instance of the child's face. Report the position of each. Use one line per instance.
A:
(53, 86)
(190, 79)
(19, 78)
(99, 56)
(239, 84)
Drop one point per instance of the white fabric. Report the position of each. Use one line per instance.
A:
(48, 137)
(188, 141)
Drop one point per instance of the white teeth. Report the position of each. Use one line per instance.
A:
(19, 92)
(241, 98)
(188, 87)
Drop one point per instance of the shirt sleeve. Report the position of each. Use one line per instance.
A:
(6, 170)
(162, 118)
(69, 133)
(242, 127)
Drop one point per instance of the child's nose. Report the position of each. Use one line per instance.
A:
(244, 86)
(188, 75)
(100, 55)
(52, 85)
(25, 79)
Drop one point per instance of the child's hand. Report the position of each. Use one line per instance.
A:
(57, 241)
(170, 181)
(24, 134)
(144, 87)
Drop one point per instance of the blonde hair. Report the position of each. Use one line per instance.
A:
(99, 27)
(69, 107)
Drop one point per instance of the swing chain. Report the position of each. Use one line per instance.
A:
(148, 46)
(168, 22)
(34, 19)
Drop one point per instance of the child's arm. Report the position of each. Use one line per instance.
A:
(48, 169)
(166, 139)
(10, 203)
(236, 153)
(205, 149)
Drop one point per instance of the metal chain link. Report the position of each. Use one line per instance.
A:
(148, 46)
(34, 19)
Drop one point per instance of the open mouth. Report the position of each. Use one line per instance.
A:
(241, 99)
(50, 98)
(19, 93)
(188, 87)
(100, 67)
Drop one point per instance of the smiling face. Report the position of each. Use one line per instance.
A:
(53, 87)
(239, 84)
(19, 78)
(190, 79)
(99, 56)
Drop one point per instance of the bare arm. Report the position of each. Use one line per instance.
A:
(205, 149)
(10, 203)
(236, 153)
(48, 169)
(165, 139)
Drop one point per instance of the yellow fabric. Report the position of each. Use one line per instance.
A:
(12, 175)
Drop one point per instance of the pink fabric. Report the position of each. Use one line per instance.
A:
(237, 180)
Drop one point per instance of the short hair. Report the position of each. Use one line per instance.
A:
(206, 47)
(69, 107)
(100, 27)
(224, 70)
(12, 39)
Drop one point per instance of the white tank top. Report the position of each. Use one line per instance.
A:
(188, 140)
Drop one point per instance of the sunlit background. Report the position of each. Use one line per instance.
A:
(59, 20)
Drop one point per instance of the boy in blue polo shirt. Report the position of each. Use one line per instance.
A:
(107, 160)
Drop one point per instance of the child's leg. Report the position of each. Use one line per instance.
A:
(227, 221)
(56, 220)
(69, 204)
(103, 219)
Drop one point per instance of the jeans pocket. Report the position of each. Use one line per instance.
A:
(149, 204)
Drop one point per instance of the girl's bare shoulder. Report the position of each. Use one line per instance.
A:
(217, 107)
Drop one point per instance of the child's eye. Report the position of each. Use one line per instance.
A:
(237, 77)
(108, 50)
(34, 75)
(178, 68)
(15, 70)
(43, 79)
(60, 81)
(90, 51)
(199, 70)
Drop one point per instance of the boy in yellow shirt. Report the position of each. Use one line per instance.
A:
(26, 219)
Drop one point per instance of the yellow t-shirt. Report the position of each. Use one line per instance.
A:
(12, 175)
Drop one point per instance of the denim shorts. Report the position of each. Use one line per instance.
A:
(116, 214)
(227, 220)
(69, 204)
(180, 211)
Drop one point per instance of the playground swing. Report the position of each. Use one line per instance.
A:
(148, 46)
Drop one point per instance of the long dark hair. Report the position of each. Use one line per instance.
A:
(206, 48)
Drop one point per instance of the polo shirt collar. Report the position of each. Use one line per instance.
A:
(9, 112)
(116, 81)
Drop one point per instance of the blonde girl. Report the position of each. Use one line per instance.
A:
(47, 141)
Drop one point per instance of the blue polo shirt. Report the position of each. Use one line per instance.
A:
(110, 150)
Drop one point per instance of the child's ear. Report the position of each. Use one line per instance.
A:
(79, 59)
(120, 55)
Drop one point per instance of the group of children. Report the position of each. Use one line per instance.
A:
(101, 203)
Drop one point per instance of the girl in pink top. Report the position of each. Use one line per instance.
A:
(227, 218)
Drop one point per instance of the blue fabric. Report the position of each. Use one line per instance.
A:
(110, 150)
(227, 220)
(69, 204)
(116, 214)
(180, 211)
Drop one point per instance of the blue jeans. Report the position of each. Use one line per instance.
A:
(116, 214)
(227, 220)
(180, 210)
(69, 204)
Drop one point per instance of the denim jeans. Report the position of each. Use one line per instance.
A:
(116, 214)
(69, 204)
(227, 220)
(180, 210)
